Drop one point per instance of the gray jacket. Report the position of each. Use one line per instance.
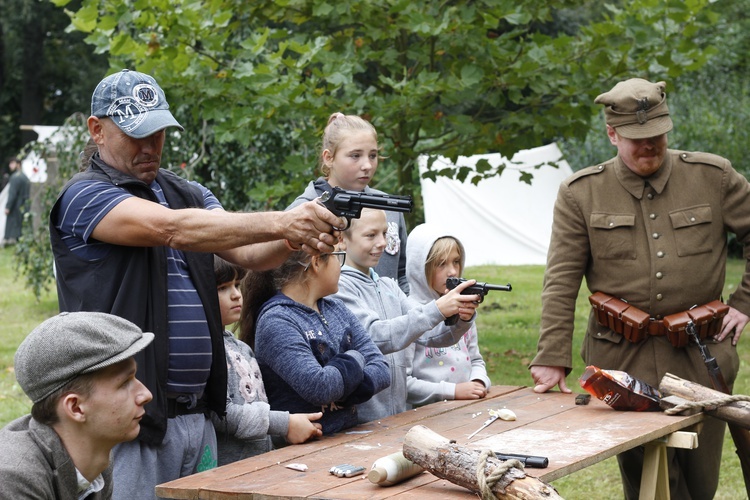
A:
(393, 261)
(34, 464)
(394, 322)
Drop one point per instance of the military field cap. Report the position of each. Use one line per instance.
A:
(637, 108)
(72, 344)
(135, 102)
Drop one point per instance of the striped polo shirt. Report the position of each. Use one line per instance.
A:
(82, 207)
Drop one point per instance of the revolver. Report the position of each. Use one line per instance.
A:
(480, 289)
(349, 204)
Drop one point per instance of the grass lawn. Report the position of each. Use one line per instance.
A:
(19, 314)
(508, 328)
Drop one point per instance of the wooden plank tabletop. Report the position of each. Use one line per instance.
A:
(550, 425)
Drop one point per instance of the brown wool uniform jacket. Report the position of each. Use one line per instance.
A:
(659, 243)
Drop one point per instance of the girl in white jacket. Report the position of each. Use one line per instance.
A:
(440, 373)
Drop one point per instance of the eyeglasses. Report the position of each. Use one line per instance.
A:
(340, 255)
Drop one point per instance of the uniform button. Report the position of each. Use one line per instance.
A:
(655, 236)
(611, 224)
(598, 334)
(652, 216)
(692, 219)
(650, 196)
(684, 155)
(600, 167)
(660, 254)
(659, 296)
(659, 275)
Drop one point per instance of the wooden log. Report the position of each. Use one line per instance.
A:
(735, 413)
(458, 464)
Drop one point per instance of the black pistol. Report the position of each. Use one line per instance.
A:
(349, 204)
(526, 460)
(480, 289)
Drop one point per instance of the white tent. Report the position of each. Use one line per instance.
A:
(501, 220)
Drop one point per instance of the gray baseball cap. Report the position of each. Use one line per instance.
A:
(135, 102)
(72, 344)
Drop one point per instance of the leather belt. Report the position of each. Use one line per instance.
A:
(657, 328)
(633, 324)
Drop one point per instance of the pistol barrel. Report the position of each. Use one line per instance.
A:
(387, 202)
(500, 288)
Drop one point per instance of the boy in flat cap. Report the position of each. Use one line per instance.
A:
(79, 372)
(648, 226)
(136, 240)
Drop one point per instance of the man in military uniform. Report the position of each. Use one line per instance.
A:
(15, 207)
(649, 227)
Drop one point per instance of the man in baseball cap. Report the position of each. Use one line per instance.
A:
(136, 240)
(79, 372)
(134, 102)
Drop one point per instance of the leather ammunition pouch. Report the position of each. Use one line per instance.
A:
(706, 318)
(635, 324)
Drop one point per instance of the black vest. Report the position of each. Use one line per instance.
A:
(131, 282)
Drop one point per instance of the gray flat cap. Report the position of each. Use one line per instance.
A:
(72, 344)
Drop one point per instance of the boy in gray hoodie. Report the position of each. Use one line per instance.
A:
(393, 320)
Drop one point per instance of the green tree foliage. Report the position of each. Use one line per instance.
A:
(46, 72)
(709, 106)
(254, 82)
(33, 254)
(434, 77)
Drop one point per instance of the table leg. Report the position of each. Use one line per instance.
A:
(655, 476)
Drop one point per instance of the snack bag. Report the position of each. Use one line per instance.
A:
(619, 390)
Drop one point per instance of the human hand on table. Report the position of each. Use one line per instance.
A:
(302, 427)
(470, 390)
(547, 377)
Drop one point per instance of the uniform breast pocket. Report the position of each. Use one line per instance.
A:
(692, 230)
(613, 236)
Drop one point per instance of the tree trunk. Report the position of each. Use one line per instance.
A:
(458, 464)
(32, 95)
(735, 413)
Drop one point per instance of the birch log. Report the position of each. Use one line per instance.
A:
(734, 413)
(458, 464)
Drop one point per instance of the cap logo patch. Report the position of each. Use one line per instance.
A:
(146, 94)
(642, 108)
(129, 112)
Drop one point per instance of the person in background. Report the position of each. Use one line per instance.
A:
(247, 428)
(648, 226)
(79, 372)
(313, 353)
(393, 320)
(348, 160)
(17, 204)
(132, 239)
(440, 373)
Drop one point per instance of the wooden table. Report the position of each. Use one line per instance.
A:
(551, 425)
